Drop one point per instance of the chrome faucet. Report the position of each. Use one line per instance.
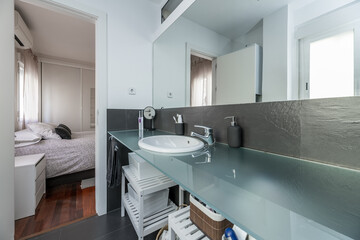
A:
(208, 137)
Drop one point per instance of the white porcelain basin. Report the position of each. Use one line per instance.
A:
(170, 144)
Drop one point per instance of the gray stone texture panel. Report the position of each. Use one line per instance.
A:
(323, 130)
(330, 131)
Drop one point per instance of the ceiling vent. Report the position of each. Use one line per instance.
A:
(23, 38)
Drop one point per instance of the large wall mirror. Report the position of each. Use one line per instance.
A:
(230, 52)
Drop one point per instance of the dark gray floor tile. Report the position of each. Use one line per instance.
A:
(53, 235)
(95, 227)
(127, 233)
(90, 228)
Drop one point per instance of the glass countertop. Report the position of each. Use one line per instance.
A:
(270, 196)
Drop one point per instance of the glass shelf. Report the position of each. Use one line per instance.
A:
(270, 196)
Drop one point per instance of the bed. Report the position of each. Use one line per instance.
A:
(64, 156)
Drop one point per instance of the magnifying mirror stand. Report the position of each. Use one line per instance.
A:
(152, 128)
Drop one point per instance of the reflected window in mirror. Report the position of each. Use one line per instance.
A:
(332, 66)
(328, 64)
(201, 80)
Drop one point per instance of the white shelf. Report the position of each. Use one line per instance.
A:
(145, 225)
(147, 185)
(181, 225)
(151, 223)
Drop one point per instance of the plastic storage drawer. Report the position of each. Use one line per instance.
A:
(153, 202)
(141, 168)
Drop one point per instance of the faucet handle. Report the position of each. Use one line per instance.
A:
(206, 129)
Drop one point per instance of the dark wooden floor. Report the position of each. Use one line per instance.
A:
(62, 205)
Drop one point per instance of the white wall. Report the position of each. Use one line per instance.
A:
(315, 9)
(170, 55)
(275, 46)
(255, 35)
(131, 23)
(7, 119)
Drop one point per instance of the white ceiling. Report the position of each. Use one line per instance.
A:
(159, 2)
(57, 35)
(232, 18)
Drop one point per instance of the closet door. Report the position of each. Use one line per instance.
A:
(88, 100)
(61, 95)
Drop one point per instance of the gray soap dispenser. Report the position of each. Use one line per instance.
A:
(233, 133)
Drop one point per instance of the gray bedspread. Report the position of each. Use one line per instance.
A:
(65, 156)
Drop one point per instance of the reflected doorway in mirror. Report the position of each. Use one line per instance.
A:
(201, 80)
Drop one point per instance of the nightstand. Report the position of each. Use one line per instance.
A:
(30, 183)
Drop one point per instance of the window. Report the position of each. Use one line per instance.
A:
(27, 90)
(332, 66)
(327, 63)
(20, 91)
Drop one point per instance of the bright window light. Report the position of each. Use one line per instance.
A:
(21, 91)
(332, 66)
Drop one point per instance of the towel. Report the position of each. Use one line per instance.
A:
(113, 175)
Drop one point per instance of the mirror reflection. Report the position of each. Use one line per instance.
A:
(230, 52)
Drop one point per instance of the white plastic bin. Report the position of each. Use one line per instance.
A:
(153, 202)
(141, 168)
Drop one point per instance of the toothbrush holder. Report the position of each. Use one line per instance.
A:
(179, 128)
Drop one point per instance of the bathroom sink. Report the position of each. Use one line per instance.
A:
(170, 144)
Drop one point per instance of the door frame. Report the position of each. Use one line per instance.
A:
(99, 18)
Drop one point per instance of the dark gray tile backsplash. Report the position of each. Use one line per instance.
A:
(330, 131)
(272, 127)
(325, 130)
(122, 119)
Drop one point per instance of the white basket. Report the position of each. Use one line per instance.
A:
(141, 168)
(153, 202)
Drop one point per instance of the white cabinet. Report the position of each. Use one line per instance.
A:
(238, 76)
(30, 183)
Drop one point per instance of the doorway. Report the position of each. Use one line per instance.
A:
(201, 80)
(99, 19)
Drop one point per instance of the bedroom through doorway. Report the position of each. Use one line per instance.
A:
(54, 118)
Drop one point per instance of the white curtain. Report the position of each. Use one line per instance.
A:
(201, 81)
(30, 91)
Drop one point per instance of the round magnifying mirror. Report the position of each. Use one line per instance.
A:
(149, 113)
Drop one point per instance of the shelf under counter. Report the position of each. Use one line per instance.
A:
(268, 195)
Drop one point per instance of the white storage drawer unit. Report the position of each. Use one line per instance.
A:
(153, 202)
(30, 183)
(141, 168)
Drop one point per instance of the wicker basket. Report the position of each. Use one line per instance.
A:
(212, 224)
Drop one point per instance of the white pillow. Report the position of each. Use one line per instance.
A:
(44, 129)
(26, 135)
(52, 135)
